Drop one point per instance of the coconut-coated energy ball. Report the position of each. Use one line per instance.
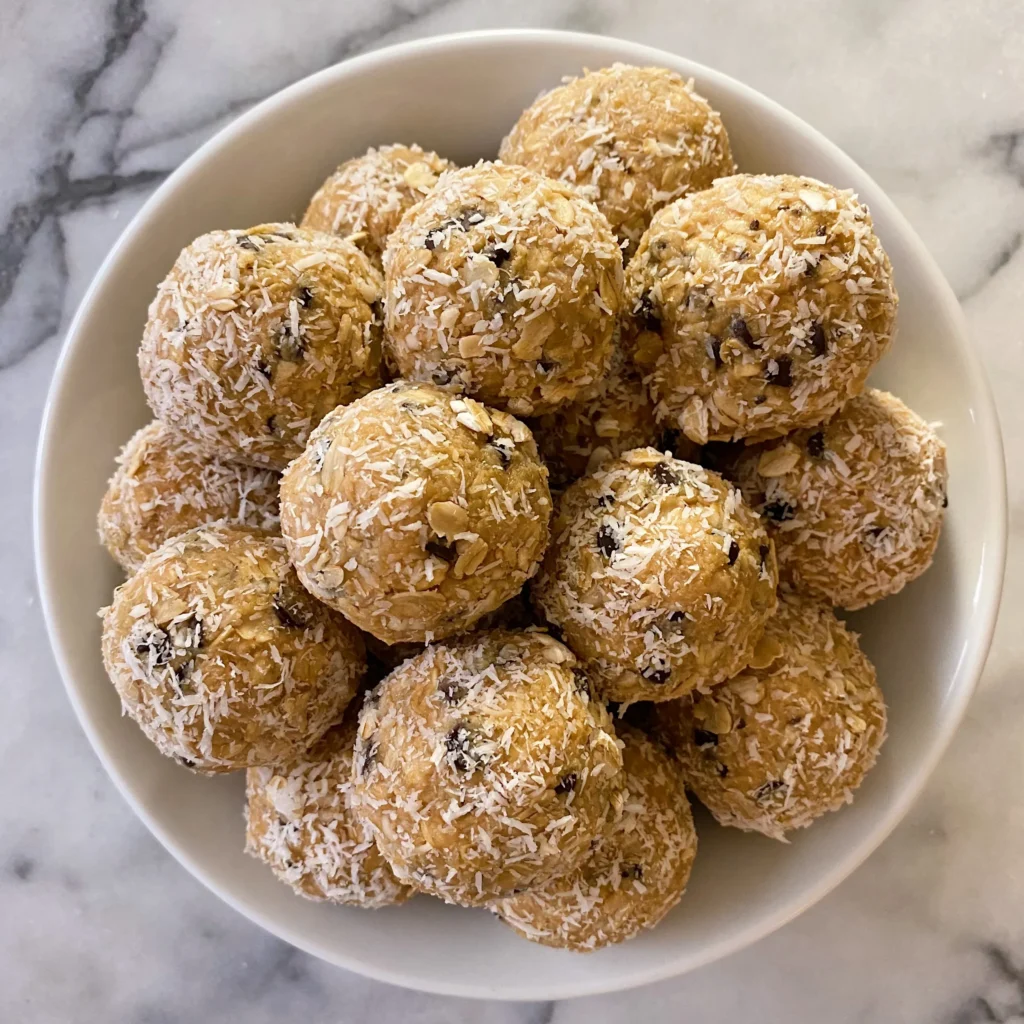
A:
(415, 512)
(255, 335)
(779, 745)
(485, 767)
(855, 505)
(659, 576)
(630, 139)
(165, 484)
(636, 873)
(365, 198)
(504, 285)
(300, 824)
(758, 306)
(579, 438)
(220, 655)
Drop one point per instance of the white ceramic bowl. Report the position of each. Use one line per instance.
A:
(458, 95)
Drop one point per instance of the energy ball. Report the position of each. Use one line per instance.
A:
(855, 505)
(222, 658)
(165, 484)
(414, 512)
(255, 335)
(504, 285)
(365, 198)
(659, 577)
(630, 139)
(579, 438)
(637, 872)
(300, 824)
(758, 307)
(778, 746)
(485, 767)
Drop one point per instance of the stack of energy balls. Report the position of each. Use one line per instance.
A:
(611, 312)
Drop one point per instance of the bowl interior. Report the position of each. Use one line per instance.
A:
(458, 95)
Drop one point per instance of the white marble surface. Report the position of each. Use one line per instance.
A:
(100, 100)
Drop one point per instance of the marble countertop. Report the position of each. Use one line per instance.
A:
(102, 98)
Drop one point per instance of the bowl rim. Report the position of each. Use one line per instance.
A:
(991, 570)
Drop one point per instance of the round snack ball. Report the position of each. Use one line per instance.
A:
(415, 512)
(659, 577)
(637, 872)
(299, 823)
(255, 335)
(630, 139)
(579, 438)
(222, 658)
(779, 745)
(365, 198)
(855, 505)
(505, 285)
(165, 484)
(484, 766)
(758, 306)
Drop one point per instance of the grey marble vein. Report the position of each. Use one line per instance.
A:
(103, 98)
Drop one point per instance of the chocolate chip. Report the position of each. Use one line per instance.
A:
(713, 347)
(442, 375)
(505, 449)
(762, 793)
(816, 445)
(755, 225)
(823, 231)
(677, 616)
(945, 501)
(459, 744)
(452, 690)
(497, 254)
(469, 216)
(739, 329)
(647, 313)
(819, 341)
(779, 371)
(157, 643)
(734, 552)
(607, 540)
(271, 424)
(665, 475)
(263, 368)
(656, 674)
(723, 770)
(291, 608)
(186, 761)
(634, 872)
(440, 549)
(605, 500)
(567, 784)
(810, 267)
(304, 297)
(764, 552)
(778, 511)
(704, 738)
(250, 242)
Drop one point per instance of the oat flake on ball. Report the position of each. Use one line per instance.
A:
(636, 873)
(659, 577)
(855, 505)
(300, 824)
(165, 484)
(485, 767)
(255, 335)
(758, 306)
(364, 199)
(505, 285)
(777, 747)
(220, 655)
(415, 512)
(630, 139)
